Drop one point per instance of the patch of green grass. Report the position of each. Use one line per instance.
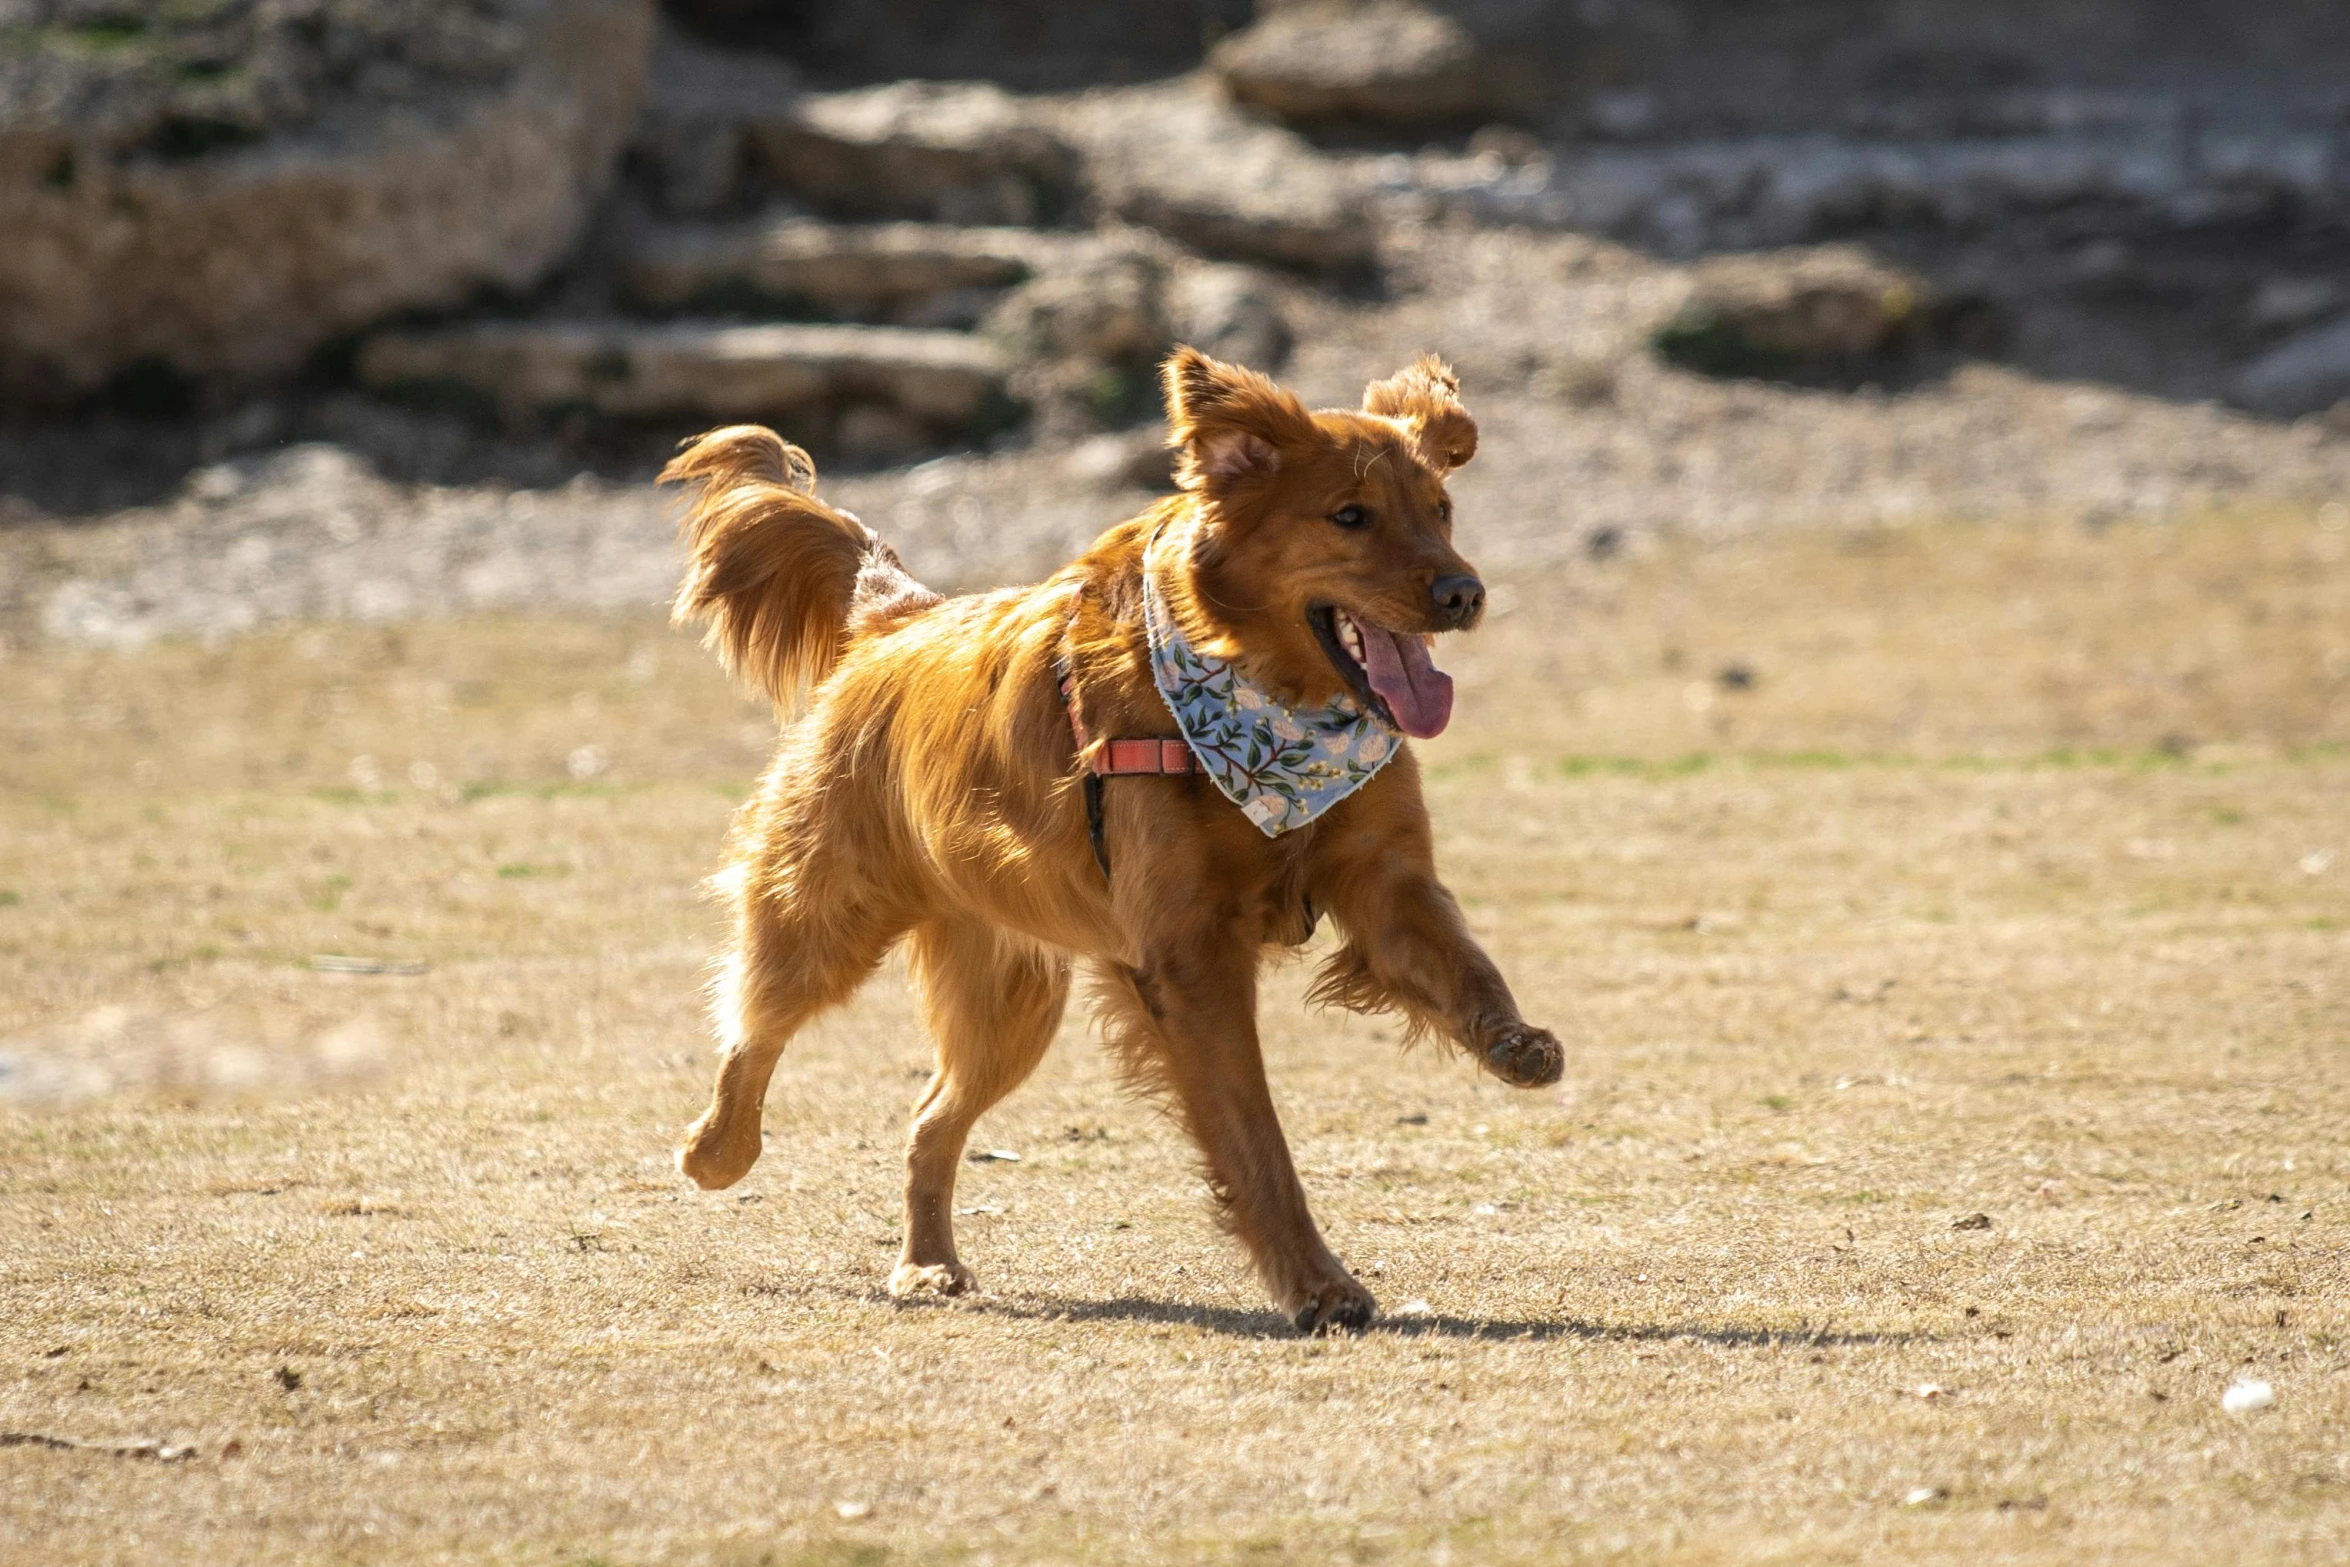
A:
(1700, 339)
(1586, 766)
(109, 35)
(521, 871)
(10, 898)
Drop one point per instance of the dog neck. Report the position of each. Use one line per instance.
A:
(1282, 764)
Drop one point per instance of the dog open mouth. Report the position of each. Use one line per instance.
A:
(1389, 672)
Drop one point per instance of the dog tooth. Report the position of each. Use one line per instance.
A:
(1350, 635)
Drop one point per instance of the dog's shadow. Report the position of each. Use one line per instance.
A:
(1236, 1323)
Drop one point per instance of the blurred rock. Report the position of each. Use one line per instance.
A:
(1386, 63)
(174, 216)
(1709, 192)
(1087, 341)
(947, 152)
(891, 272)
(2304, 374)
(939, 383)
(2280, 304)
(1110, 311)
(692, 145)
(1231, 312)
(1182, 160)
(1124, 459)
(1770, 314)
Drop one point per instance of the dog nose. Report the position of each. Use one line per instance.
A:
(1459, 598)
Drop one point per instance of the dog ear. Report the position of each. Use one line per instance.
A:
(1227, 423)
(1426, 401)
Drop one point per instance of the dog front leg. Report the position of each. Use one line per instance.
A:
(1408, 949)
(1185, 1022)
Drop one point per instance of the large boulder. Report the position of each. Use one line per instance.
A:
(1832, 308)
(946, 152)
(1389, 63)
(1107, 310)
(934, 384)
(1230, 312)
(1087, 337)
(2307, 373)
(909, 274)
(1182, 160)
(214, 199)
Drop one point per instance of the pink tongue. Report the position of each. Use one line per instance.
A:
(1407, 680)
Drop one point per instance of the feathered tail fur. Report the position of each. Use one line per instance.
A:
(782, 580)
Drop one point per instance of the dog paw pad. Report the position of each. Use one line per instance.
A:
(1527, 1057)
(1339, 1307)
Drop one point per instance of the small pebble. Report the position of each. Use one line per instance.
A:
(2243, 1397)
(1925, 1496)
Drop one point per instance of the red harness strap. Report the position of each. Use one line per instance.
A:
(1122, 758)
(1117, 759)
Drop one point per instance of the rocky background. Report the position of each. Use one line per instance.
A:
(385, 307)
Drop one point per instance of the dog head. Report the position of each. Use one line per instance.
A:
(1321, 542)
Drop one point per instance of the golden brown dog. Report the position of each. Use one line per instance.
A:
(933, 790)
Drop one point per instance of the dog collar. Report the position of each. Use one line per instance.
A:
(1282, 765)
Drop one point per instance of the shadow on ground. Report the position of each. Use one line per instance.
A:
(1267, 1324)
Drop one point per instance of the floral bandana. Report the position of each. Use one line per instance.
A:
(1283, 766)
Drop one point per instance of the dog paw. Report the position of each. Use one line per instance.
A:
(1344, 1304)
(932, 1278)
(716, 1155)
(1526, 1057)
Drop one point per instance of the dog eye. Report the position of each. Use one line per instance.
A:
(1444, 507)
(1351, 517)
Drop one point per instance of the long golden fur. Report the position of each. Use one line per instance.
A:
(928, 792)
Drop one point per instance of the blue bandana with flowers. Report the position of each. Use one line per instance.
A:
(1283, 766)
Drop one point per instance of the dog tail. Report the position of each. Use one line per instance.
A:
(781, 579)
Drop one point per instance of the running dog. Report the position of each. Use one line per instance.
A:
(1183, 749)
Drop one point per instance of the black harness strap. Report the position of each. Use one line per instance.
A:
(1093, 823)
(1095, 832)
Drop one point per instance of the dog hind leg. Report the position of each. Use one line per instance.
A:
(993, 1005)
(791, 961)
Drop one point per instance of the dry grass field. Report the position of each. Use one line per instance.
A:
(1877, 880)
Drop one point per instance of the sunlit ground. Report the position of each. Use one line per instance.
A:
(1879, 881)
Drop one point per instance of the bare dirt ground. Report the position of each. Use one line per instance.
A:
(1883, 876)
